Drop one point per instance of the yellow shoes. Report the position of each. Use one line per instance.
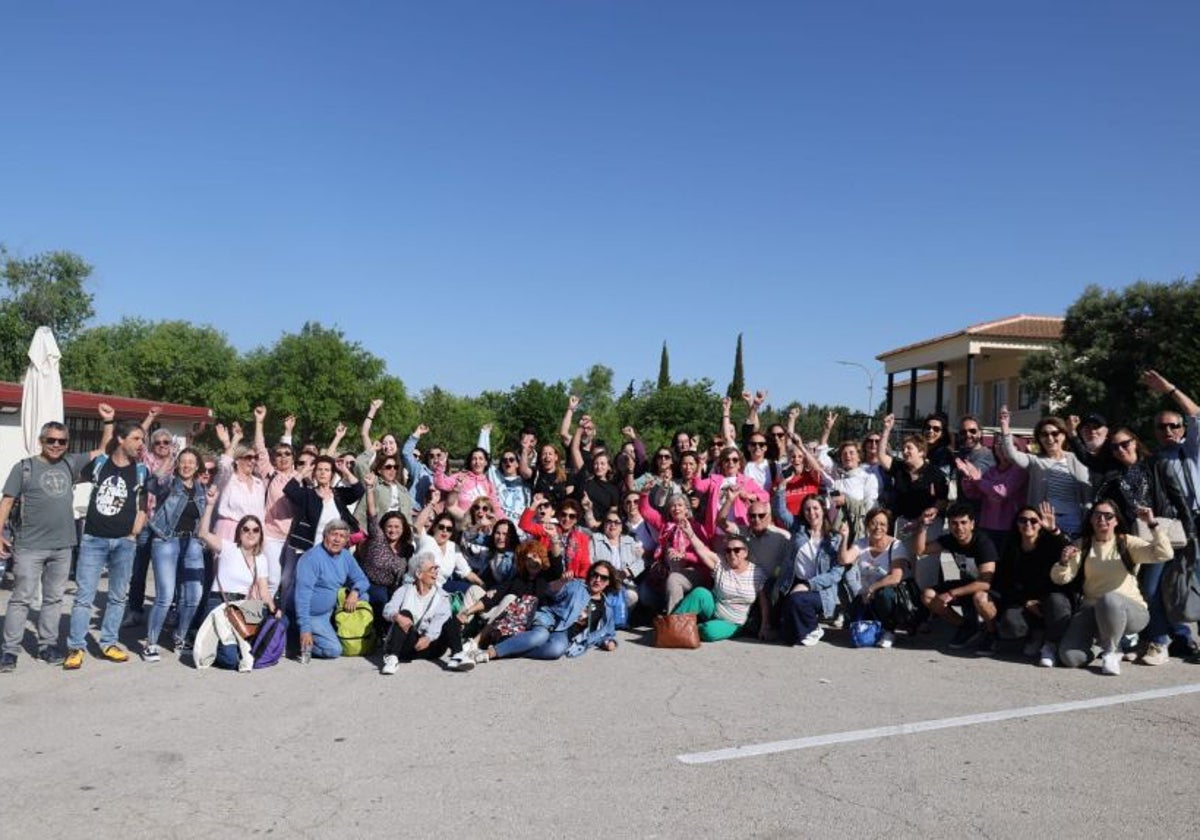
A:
(74, 660)
(114, 654)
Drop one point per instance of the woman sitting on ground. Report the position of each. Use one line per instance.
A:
(576, 618)
(1107, 558)
(454, 573)
(420, 619)
(808, 586)
(676, 569)
(877, 565)
(1031, 606)
(737, 584)
(508, 608)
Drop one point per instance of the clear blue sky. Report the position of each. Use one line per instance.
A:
(482, 193)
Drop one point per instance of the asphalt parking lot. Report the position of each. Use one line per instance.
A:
(600, 746)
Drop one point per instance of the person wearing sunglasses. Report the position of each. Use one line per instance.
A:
(559, 533)
(622, 550)
(44, 536)
(241, 572)
(1107, 558)
(1056, 475)
(918, 488)
(1031, 607)
(435, 534)
(726, 489)
(1139, 481)
(159, 457)
(578, 617)
(738, 585)
(512, 490)
(996, 492)
(938, 451)
(472, 483)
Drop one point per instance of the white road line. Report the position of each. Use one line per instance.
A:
(770, 747)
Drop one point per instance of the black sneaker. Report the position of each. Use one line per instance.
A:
(965, 637)
(987, 645)
(8, 663)
(51, 655)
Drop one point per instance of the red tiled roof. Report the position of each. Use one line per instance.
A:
(1035, 327)
(83, 401)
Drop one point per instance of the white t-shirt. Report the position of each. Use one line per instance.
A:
(449, 561)
(734, 592)
(232, 572)
(873, 567)
(329, 512)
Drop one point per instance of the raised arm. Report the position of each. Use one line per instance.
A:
(151, 416)
(372, 410)
(338, 434)
(885, 442)
(1009, 448)
(1154, 380)
(576, 450)
(107, 422)
(564, 429)
(707, 556)
(827, 427)
(727, 430)
(205, 533)
(260, 438)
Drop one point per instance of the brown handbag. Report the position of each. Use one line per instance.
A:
(237, 620)
(677, 630)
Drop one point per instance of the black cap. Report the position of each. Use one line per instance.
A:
(1094, 419)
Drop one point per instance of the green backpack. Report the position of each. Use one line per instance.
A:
(355, 630)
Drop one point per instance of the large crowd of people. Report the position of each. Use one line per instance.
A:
(1053, 548)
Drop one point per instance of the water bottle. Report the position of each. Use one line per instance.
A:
(305, 654)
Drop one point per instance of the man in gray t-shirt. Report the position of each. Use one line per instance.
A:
(43, 537)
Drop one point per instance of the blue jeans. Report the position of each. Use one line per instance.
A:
(1160, 630)
(535, 643)
(94, 554)
(166, 556)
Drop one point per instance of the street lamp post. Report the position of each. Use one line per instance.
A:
(870, 386)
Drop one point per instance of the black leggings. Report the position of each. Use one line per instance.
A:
(403, 643)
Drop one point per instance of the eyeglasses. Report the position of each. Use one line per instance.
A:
(250, 529)
(248, 457)
(779, 434)
(663, 456)
(569, 514)
(166, 442)
(599, 576)
(444, 529)
(758, 444)
(731, 460)
(1028, 520)
(1170, 427)
(508, 459)
(209, 468)
(54, 441)
(389, 467)
(759, 515)
(303, 464)
(870, 441)
(1050, 433)
(970, 431)
(612, 521)
(1105, 515)
(1126, 444)
(283, 453)
(736, 549)
(482, 508)
(932, 428)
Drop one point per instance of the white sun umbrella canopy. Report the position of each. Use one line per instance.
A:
(42, 399)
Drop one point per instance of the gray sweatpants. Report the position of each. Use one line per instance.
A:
(1106, 622)
(50, 567)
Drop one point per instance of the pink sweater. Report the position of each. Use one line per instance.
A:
(1001, 493)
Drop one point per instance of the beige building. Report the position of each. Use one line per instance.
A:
(973, 371)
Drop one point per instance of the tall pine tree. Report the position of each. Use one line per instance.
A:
(664, 368)
(738, 383)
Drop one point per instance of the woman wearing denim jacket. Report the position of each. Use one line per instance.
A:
(577, 617)
(808, 586)
(179, 507)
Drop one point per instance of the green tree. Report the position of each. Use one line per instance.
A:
(453, 421)
(324, 379)
(533, 403)
(738, 384)
(1109, 338)
(664, 368)
(44, 290)
(164, 361)
(657, 413)
(595, 392)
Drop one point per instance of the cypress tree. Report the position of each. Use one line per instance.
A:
(738, 383)
(664, 368)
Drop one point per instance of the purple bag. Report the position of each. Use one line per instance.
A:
(270, 642)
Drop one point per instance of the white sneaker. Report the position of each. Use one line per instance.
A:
(481, 657)
(390, 664)
(886, 640)
(469, 646)
(462, 661)
(1047, 656)
(150, 653)
(1110, 663)
(813, 637)
(1156, 654)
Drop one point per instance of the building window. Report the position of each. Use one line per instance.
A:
(999, 398)
(85, 433)
(976, 400)
(1027, 398)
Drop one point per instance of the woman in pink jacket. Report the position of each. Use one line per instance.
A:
(1000, 491)
(727, 483)
(677, 568)
(470, 483)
